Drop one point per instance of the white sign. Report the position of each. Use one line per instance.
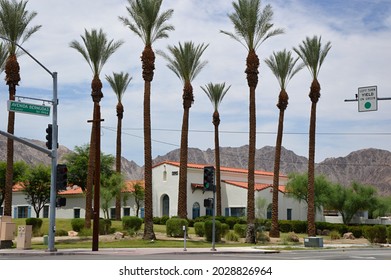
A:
(367, 99)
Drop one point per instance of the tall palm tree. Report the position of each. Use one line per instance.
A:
(96, 50)
(14, 25)
(313, 53)
(282, 64)
(185, 61)
(3, 56)
(252, 27)
(119, 82)
(216, 93)
(149, 24)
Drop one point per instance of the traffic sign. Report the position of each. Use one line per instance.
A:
(28, 108)
(367, 99)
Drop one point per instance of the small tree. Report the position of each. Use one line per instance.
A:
(37, 187)
(20, 172)
(111, 188)
(139, 195)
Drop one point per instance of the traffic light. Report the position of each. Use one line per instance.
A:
(49, 136)
(62, 177)
(208, 202)
(209, 172)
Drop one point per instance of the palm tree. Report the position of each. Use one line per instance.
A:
(96, 50)
(282, 64)
(14, 25)
(313, 53)
(185, 62)
(216, 93)
(3, 56)
(119, 82)
(149, 24)
(252, 27)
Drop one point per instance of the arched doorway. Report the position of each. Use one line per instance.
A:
(166, 205)
(196, 210)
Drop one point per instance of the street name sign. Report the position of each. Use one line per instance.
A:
(28, 108)
(367, 99)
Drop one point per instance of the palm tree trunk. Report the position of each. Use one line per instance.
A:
(275, 232)
(314, 96)
(216, 122)
(252, 80)
(12, 71)
(148, 65)
(118, 159)
(182, 188)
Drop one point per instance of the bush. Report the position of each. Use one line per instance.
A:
(164, 219)
(224, 229)
(36, 224)
(231, 236)
(356, 230)
(262, 237)
(174, 227)
(209, 230)
(376, 233)
(104, 226)
(292, 237)
(199, 228)
(240, 230)
(285, 226)
(369, 233)
(61, 232)
(334, 235)
(85, 232)
(231, 221)
(131, 222)
(77, 224)
(299, 226)
(389, 234)
(156, 220)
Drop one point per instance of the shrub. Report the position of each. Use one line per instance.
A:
(231, 221)
(299, 226)
(131, 222)
(224, 229)
(199, 228)
(334, 235)
(164, 219)
(356, 230)
(174, 227)
(84, 232)
(231, 236)
(381, 233)
(61, 232)
(292, 237)
(77, 224)
(36, 224)
(240, 230)
(285, 226)
(262, 237)
(209, 230)
(389, 234)
(104, 226)
(156, 220)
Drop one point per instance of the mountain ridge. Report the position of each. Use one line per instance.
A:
(367, 166)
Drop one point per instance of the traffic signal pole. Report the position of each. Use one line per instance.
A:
(52, 153)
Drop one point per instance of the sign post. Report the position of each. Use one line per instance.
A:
(367, 99)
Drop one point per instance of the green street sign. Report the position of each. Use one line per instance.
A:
(28, 108)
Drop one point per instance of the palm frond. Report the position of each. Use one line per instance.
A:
(146, 21)
(252, 25)
(119, 83)
(215, 93)
(185, 60)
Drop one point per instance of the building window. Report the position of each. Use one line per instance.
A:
(269, 211)
(112, 213)
(238, 211)
(196, 210)
(76, 213)
(174, 173)
(1, 211)
(164, 174)
(142, 213)
(23, 212)
(166, 205)
(127, 211)
(289, 214)
(46, 211)
(208, 211)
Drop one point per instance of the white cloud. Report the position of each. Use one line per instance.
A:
(359, 57)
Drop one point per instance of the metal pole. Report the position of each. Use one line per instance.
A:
(53, 189)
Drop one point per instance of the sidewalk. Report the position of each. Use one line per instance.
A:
(175, 251)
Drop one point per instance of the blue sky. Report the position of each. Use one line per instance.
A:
(359, 32)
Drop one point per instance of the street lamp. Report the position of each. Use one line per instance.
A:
(52, 153)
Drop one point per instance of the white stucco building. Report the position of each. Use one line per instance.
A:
(165, 181)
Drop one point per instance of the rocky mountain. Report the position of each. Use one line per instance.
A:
(368, 166)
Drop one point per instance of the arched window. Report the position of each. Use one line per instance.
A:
(196, 210)
(166, 205)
